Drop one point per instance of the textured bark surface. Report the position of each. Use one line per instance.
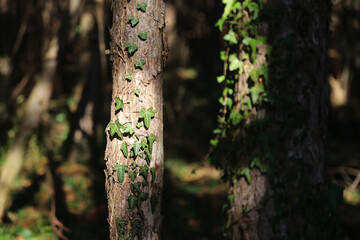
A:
(297, 34)
(149, 81)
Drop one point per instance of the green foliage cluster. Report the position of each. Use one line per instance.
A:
(242, 138)
(239, 23)
(140, 176)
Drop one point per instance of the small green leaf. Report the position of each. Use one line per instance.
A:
(141, 155)
(135, 188)
(137, 136)
(120, 226)
(235, 63)
(143, 35)
(235, 117)
(141, 215)
(133, 175)
(133, 165)
(143, 143)
(256, 91)
(124, 150)
(153, 202)
(147, 156)
(129, 129)
(147, 115)
(217, 131)
(231, 198)
(133, 21)
(137, 92)
(121, 169)
(247, 173)
(231, 37)
(220, 79)
(144, 183)
(141, 7)
(132, 199)
(119, 104)
(128, 77)
(144, 171)
(131, 48)
(153, 175)
(136, 147)
(151, 140)
(139, 124)
(214, 142)
(143, 196)
(140, 64)
(116, 128)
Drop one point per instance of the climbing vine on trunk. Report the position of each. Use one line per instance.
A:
(134, 150)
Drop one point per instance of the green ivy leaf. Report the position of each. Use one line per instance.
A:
(131, 48)
(147, 156)
(143, 144)
(235, 117)
(220, 79)
(132, 199)
(132, 175)
(147, 115)
(235, 63)
(151, 140)
(116, 128)
(144, 183)
(119, 104)
(247, 173)
(231, 37)
(141, 155)
(153, 175)
(231, 198)
(136, 147)
(139, 124)
(137, 92)
(143, 196)
(141, 7)
(133, 21)
(144, 171)
(120, 226)
(129, 129)
(143, 35)
(124, 150)
(141, 215)
(153, 202)
(214, 142)
(135, 188)
(133, 165)
(140, 64)
(256, 91)
(121, 169)
(128, 77)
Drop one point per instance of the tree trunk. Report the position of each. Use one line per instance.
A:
(287, 200)
(134, 199)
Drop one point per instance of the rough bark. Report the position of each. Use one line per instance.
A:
(297, 34)
(149, 81)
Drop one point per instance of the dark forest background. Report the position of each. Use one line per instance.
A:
(60, 186)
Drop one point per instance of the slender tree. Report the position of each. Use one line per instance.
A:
(134, 152)
(270, 139)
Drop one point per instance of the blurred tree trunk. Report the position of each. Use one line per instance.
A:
(134, 205)
(284, 202)
(36, 106)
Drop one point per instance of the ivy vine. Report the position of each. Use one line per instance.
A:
(140, 149)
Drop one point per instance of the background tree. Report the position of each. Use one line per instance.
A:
(134, 151)
(274, 119)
